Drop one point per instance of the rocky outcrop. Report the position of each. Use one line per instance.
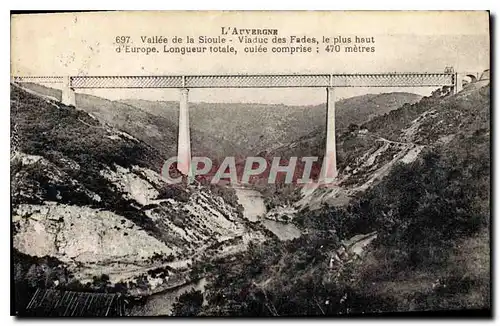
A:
(88, 195)
(82, 234)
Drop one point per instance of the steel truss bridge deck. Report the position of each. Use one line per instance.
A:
(250, 81)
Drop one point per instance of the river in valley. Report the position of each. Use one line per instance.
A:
(161, 303)
(255, 210)
(252, 202)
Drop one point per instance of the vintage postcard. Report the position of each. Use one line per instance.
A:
(256, 164)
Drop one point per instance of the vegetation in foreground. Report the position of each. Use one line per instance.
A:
(432, 252)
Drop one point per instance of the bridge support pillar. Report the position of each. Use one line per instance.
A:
(459, 78)
(184, 140)
(68, 93)
(329, 168)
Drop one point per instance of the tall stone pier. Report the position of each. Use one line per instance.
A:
(329, 169)
(184, 140)
(68, 93)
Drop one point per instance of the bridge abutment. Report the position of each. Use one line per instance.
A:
(68, 94)
(184, 140)
(464, 78)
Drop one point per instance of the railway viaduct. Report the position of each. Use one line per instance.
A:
(330, 82)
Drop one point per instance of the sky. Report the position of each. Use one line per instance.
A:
(85, 44)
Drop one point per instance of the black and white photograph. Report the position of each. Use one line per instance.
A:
(250, 164)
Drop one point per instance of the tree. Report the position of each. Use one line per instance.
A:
(188, 304)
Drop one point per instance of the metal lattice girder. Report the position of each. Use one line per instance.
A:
(39, 79)
(255, 81)
(392, 80)
(127, 82)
